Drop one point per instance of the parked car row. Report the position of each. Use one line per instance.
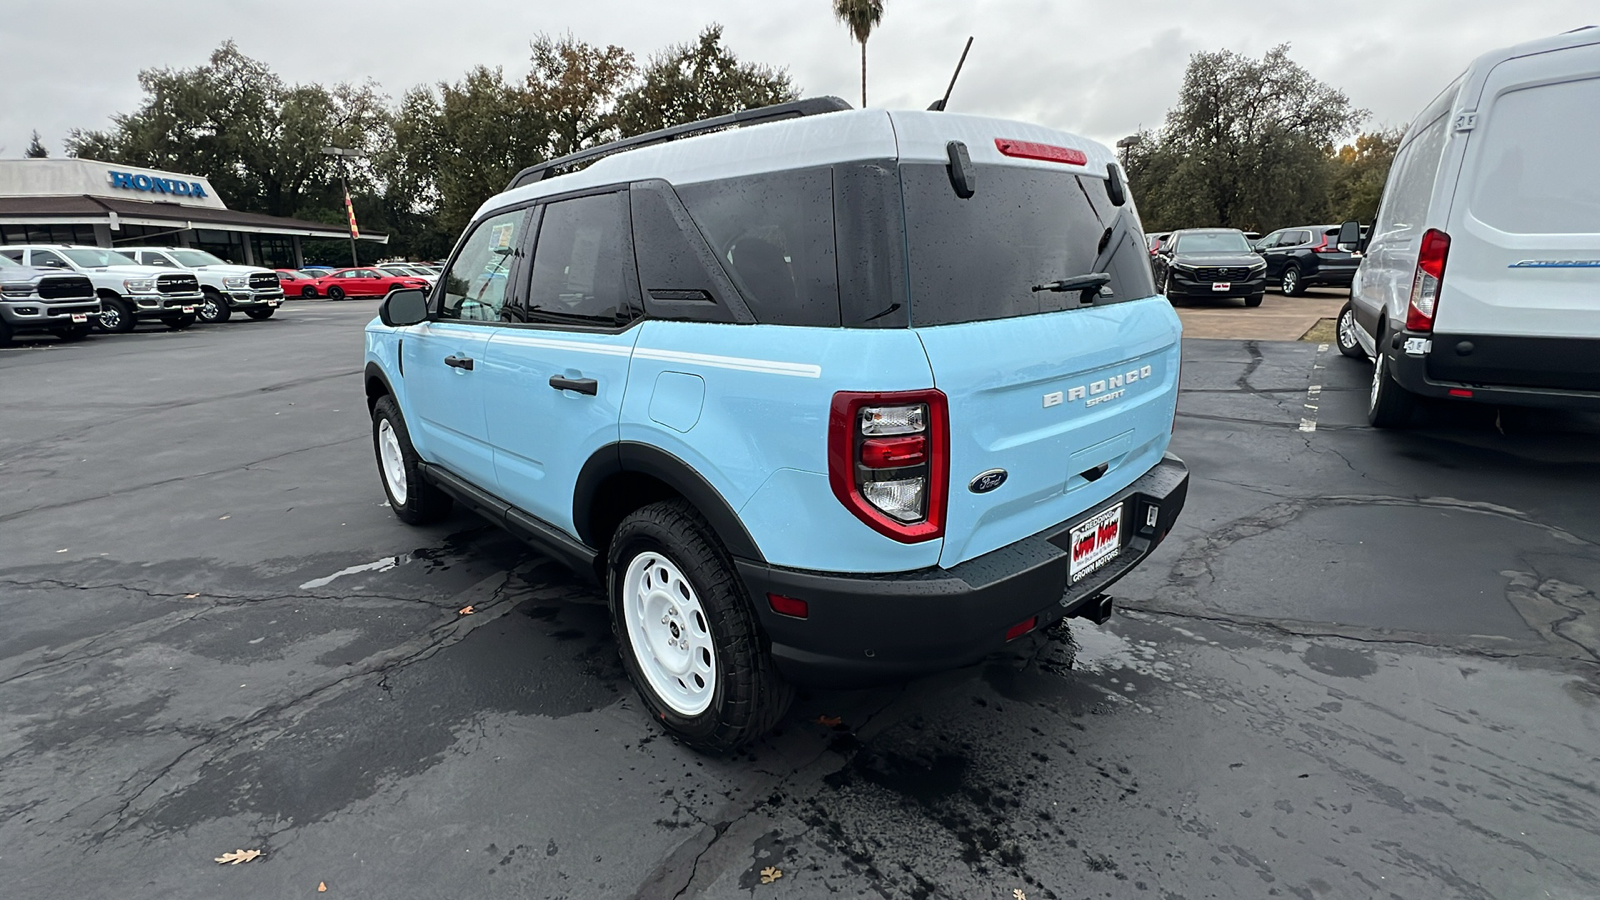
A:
(366, 281)
(1225, 262)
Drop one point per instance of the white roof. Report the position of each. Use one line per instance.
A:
(818, 140)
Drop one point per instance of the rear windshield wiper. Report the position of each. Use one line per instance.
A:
(1090, 281)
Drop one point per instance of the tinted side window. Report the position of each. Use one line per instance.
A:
(679, 273)
(474, 287)
(773, 234)
(583, 266)
(46, 259)
(1296, 238)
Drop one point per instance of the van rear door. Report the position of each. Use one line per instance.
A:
(1071, 393)
(1520, 302)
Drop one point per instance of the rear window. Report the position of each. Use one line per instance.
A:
(1536, 170)
(980, 258)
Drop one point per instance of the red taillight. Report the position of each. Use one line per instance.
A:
(1021, 628)
(1045, 152)
(1427, 281)
(789, 606)
(889, 460)
(891, 453)
(1460, 392)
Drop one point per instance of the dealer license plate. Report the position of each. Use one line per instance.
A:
(1222, 286)
(188, 309)
(1096, 542)
(272, 303)
(79, 318)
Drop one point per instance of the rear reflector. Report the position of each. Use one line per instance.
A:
(1045, 152)
(1021, 628)
(1460, 392)
(788, 606)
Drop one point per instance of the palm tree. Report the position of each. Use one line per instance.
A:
(861, 16)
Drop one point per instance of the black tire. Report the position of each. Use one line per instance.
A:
(5, 333)
(749, 697)
(1389, 405)
(1291, 282)
(179, 323)
(336, 293)
(214, 308)
(1345, 334)
(309, 291)
(264, 312)
(1253, 300)
(115, 316)
(423, 503)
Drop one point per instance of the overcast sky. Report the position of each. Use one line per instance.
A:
(1100, 68)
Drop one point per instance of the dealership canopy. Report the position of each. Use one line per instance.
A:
(81, 201)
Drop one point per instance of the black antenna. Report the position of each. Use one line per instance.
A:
(939, 105)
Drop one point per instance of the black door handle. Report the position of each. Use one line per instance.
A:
(581, 385)
(459, 362)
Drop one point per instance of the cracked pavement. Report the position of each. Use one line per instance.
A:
(1365, 664)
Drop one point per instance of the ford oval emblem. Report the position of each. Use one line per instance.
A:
(987, 481)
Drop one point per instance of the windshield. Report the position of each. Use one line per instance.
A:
(92, 258)
(196, 258)
(980, 258)
(1212, 242)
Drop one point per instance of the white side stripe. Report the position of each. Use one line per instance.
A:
(766, 366)
(579, 346)
(738, 363)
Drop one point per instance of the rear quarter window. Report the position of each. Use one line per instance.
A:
(979, 258)
(1537, 160)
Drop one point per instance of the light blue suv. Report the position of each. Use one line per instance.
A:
(819, 396)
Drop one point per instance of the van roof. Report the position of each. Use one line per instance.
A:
(1478, 72)
(816, 140)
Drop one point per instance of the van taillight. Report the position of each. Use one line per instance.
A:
(1428, 279)
(889, 460)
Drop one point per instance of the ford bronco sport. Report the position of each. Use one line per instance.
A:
(820, 396)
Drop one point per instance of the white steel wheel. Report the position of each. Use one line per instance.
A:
(669, 634)
(393, 461)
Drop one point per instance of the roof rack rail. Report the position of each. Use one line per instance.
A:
(811, 106)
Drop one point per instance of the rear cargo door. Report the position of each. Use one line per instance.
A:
(1069, 392)
(1524, 254)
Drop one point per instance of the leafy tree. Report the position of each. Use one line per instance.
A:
(256, 138)
(1247, 145)
(698, 80)
(36, 149)
(861, 16)
(1360, 170)
(577, 85)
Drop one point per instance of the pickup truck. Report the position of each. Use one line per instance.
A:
(34, 300)
(253, 290)
(128, 291)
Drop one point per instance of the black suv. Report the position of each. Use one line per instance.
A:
(1209, 262)
(1304, 255)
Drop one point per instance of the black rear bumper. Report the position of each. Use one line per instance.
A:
(1509, 370)
(869, 629)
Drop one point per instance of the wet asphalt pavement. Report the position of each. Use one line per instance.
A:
(1365, 665)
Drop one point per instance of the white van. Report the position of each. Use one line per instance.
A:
(1481, 276)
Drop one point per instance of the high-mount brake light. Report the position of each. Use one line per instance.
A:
(1426, 283)
(889, 460)
(1044, 152)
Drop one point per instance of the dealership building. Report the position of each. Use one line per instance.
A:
(80, 201)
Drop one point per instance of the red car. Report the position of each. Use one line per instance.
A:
(296, 283)
(342, 283)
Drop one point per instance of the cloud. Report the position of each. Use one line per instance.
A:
(1101, 69)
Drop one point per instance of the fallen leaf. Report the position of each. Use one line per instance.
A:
(830, 721)
(224, 518)
(190, 596)
(1017, 894)
(771, 874)
(237, 856)
(466, 610)
(322, 887)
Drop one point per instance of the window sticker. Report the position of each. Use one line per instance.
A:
(500, 237)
